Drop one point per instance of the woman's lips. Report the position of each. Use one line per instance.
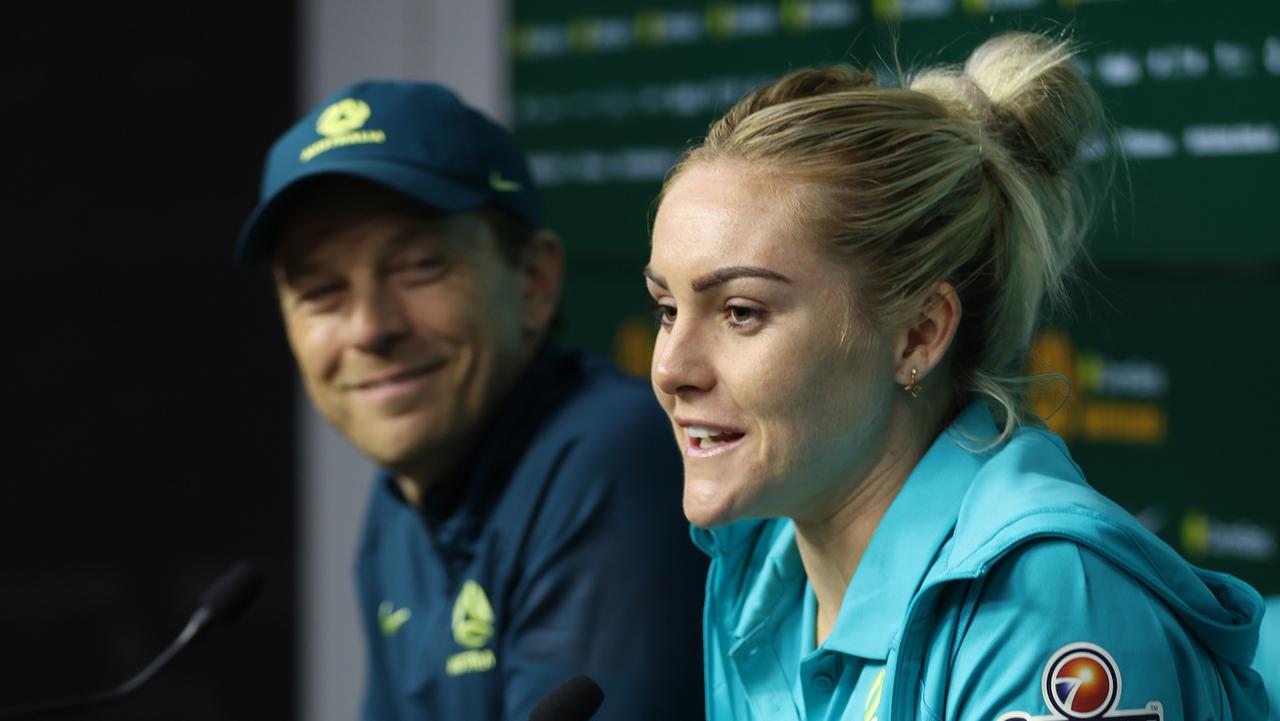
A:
(704, 441)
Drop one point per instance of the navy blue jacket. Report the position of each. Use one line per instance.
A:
(560, 548)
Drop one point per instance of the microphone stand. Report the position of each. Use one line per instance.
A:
(224, 601)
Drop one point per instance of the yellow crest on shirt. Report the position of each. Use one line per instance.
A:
(472, 616)
(472, 628)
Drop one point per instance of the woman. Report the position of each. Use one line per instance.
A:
(847, 278)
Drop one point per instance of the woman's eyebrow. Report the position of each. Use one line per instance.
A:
(724, 275)
(655, 278)
(718, 277)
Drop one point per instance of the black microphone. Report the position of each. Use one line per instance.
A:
(574, 700)
(222, 604)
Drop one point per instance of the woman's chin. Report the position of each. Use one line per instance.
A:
(707, 505)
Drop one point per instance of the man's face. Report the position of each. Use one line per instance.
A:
(407, 328)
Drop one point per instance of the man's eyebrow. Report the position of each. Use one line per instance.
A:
(415, 230)
(724, 275)
(303, 263)
(298, 266)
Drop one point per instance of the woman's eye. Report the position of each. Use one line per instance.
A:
(664, 314)
(743, 315)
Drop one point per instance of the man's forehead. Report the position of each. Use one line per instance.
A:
(338, 197)
(312, 238)
(337, 235)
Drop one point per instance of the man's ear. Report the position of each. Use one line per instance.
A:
(926, 339)
(541, 275)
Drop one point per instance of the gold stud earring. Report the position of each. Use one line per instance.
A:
(913, 388)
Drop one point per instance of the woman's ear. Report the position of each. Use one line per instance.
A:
(922, 345)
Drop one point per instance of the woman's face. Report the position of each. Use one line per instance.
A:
(774, 415)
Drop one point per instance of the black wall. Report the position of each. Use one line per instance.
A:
(147, 442)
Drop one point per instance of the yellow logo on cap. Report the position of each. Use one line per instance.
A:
(341, 124)
(342, 117)
(502, 185)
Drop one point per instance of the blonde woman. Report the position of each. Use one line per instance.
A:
(847, 279)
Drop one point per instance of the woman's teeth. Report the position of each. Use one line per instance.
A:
(709, 438)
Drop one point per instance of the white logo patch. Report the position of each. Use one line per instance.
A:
(1081, 682)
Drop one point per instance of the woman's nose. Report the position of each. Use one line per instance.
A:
(681, 365)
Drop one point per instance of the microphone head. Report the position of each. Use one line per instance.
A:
(231, 594)
(574, 700)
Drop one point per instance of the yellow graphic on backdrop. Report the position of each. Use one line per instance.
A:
(1195, 533)
(886, 10)
(633, 346)
(1070, 394)
(721, 19)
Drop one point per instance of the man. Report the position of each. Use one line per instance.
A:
(526, 525)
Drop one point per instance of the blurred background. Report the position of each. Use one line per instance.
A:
(159, 433)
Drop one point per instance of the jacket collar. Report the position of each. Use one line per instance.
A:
(909, 539)
(911, 535)
(453, 508)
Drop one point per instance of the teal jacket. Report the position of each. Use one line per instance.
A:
(1267, 662)
(998, 587)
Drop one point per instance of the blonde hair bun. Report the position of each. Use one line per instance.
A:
(1023, 91)
(1046, 107)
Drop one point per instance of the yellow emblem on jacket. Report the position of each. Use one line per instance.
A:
(390, 619)
(472, 628)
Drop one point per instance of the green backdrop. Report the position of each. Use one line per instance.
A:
(1171, 342)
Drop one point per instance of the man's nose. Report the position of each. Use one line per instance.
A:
(378, 319)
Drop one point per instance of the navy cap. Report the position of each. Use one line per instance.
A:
(418, 139)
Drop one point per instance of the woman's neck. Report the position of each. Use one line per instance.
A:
(832, 546)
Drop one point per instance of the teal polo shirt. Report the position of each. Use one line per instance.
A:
(998, 585)
(1267, 662)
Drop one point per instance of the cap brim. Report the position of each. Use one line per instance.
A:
(257, 238)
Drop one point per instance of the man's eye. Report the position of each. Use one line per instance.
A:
(420, 268)
(320, 292)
